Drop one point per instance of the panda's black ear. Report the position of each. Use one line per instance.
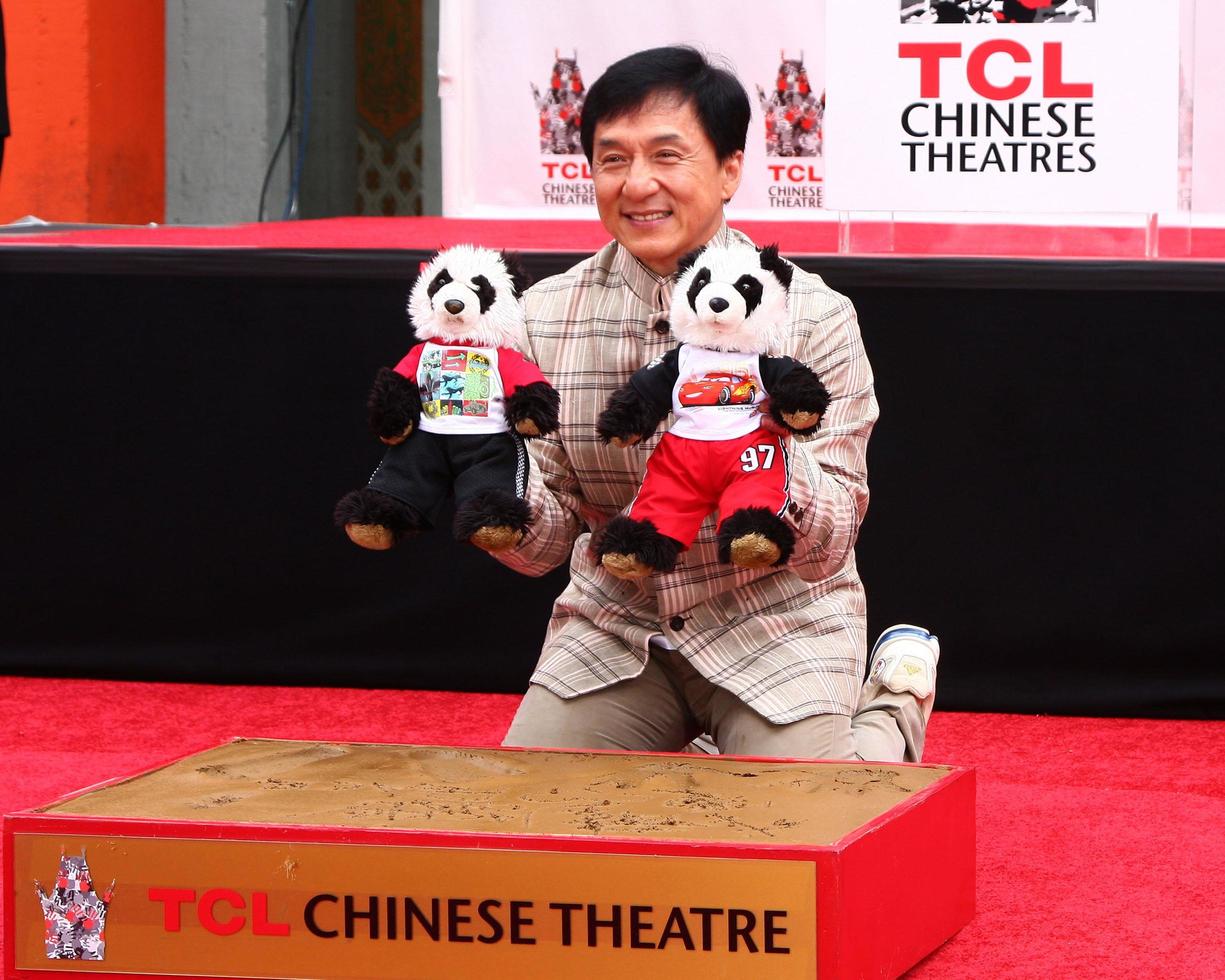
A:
(519, 278)
(686, 261)
(771, 261)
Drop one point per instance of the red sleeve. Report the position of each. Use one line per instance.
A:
(516, 371)
(408, 365)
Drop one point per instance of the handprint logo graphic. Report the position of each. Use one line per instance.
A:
(74, 913)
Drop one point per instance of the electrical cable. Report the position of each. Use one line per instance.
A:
(291, 203)
(293, 96)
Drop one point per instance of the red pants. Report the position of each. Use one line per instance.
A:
(688, 478)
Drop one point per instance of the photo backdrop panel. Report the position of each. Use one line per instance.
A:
(514, 77)
(951, 107)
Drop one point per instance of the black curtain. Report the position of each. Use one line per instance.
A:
(1044, 488)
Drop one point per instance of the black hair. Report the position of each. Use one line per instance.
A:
(718, 99)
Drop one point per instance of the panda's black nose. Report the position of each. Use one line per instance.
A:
(718, 304)
(454, 306)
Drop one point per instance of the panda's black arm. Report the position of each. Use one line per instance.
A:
(538, 403)
(796, 394)
(629, 414)
(638, 406)
(393, 404)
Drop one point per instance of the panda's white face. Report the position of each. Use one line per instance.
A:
(466, 294)
(727, 301)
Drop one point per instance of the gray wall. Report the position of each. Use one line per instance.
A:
(329, 173)
(227, 94)
(224, 107)
(431, 114)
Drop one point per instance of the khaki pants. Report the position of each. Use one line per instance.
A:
(670, 703)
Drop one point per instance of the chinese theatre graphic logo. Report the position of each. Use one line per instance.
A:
(794, 113)
(74, 913)
(561, 107)
(998, 11)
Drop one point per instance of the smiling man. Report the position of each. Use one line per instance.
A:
(770, 661)
(660, 180)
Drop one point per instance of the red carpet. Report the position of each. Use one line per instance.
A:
(1101, 842)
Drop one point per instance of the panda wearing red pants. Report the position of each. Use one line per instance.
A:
(729, 308)
(455, 411)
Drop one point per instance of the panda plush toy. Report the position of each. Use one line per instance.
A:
(732, 403)
(455, 411)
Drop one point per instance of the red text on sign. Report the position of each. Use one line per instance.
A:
(931, 54)
(219, 911)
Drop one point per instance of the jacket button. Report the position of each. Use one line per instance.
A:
(662, 326)
(677, 622)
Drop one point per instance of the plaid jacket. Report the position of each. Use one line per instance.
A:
(789, 642)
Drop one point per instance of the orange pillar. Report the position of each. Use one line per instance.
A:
(86, 85)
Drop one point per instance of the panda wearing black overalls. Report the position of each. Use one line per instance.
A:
(455, 411)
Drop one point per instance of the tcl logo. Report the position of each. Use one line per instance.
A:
(568, 170)
(931, 54)
(221, 911)
(794, 172)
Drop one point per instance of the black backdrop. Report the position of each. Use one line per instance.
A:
(177, 427)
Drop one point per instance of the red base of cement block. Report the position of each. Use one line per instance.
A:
(295, 859)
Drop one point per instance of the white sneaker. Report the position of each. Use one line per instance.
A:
(904, 659)
(702, 745)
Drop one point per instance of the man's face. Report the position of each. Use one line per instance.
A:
(659, 186)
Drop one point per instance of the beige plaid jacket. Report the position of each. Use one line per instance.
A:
(789, 642)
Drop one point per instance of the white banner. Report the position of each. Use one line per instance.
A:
(513, 76)
(1092, 127)
(1203, 80)
(949, 107)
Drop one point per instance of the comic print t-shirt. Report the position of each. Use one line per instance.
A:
(462, 385)
(461, 389)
